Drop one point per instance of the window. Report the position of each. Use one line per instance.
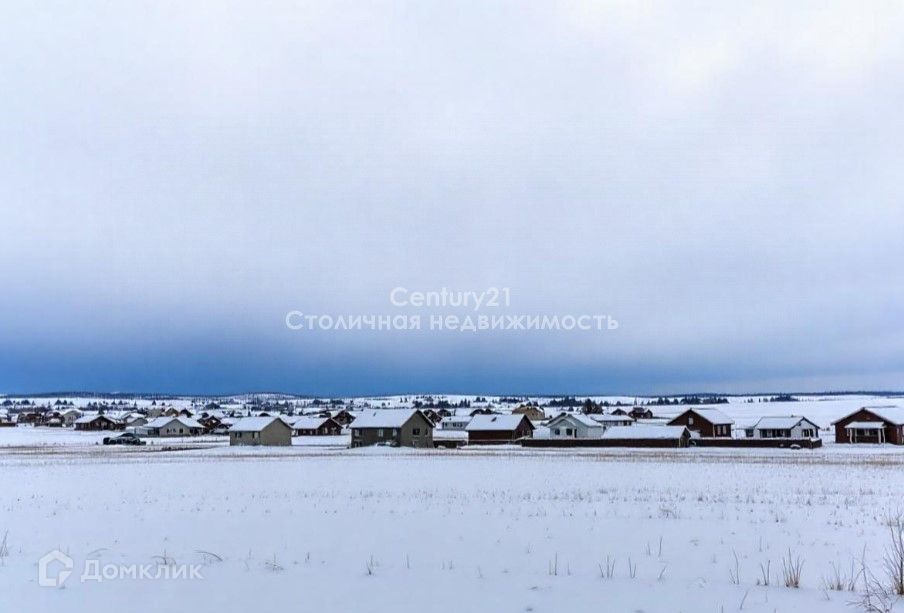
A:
(380, 432)
(416, 432)
(690, 421)
(567, 431)
(557, 431)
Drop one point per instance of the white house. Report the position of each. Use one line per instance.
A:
(69, 416)
(784, 427)
(574, 425)
(172, 426)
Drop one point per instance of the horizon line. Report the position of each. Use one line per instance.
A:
(119, 394)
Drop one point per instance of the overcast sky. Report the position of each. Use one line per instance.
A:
(725, 179)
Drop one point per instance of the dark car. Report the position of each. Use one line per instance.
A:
(126, 438)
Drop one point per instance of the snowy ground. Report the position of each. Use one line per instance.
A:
(331, 529)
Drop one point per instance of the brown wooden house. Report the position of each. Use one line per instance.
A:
(316, 426)
(342, 417)
(883, 424)
(210, 422)
(494, 429)
(641, 413)
(395, 427)
(707, 423)
(97, 423)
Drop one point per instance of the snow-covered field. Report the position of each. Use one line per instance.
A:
(497, 530)
(321, 527)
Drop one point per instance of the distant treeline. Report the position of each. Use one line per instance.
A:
(689, 400)
(779, 398)
(431, 403)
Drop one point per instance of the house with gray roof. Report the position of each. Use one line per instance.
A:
(394, 427)
(267, 431)
(171, 426)
(575, 425)
(491, 429)
(792, 427)
(647, 435)
(705, 422)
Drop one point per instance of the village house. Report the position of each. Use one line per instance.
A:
(482, 411)
(29, 417)
(172, 426)
(432, 415)
(53, 419)
(878, 424)
(533, 412)
(316, 426)
(793, 427)
(97, 423)
(705, 422)
(641, 413)
(69, 416)
(341, 417)
(396, 427)
(134, 420)
(210, 422)
(266, 431)
(647, 435)
(224, 425)
(491, 429)
(575, 425)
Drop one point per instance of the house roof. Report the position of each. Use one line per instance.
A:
(385, 418)
(890, 413)
(580, 418)
(495, 422)
(713, 416)
(309, 423)
(865, 425)
(609, 418)
(780, 423)
(644, 431)
(160, 422)
(254, 424)
(455, 419)
(87, 419)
